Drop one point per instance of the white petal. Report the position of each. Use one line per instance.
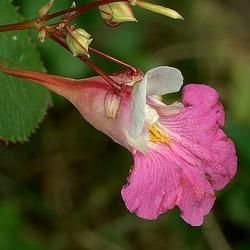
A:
(157, 81)
(164, 109)
(140, 143)
(151, 115)
(138, 102)
(163, 80)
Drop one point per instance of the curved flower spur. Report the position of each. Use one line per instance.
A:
(181, 155)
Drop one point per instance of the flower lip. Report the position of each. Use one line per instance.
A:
(185, 173)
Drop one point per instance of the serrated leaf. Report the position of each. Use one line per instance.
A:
(22, 104)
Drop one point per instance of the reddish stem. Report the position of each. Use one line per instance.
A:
(61, 42)
(80, 9)
(101, 73)
(112, 59)
(75, 12)
(19, 26)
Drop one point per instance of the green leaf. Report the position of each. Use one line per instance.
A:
(22, 104)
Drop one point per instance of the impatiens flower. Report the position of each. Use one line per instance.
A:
(181, 155)
(187, 156)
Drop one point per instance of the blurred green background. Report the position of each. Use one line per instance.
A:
(61, 191)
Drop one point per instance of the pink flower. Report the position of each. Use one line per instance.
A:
(187, 158)
(181, 155)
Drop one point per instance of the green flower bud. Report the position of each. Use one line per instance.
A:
(43, 12)
(157, 8)
(115, 13)
(42, 34)
(78, 42)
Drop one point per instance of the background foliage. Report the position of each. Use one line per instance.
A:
(60, 191)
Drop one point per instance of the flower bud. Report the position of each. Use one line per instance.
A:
(73, 5)
(45, 10)
(157, 8)
(115, 13)
(78, 42)
(42, 34)
(111, 104)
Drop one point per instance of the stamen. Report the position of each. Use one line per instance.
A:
(155, 135)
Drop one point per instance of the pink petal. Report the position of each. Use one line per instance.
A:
(151, 179)
(197, 130)
(197, 197)
(160, 180)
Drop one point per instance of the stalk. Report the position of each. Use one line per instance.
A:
(61, 42)
(37, 23)
(112, 59)
(32, 24)
(82, 8)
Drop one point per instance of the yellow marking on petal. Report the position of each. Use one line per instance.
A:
(155, 135)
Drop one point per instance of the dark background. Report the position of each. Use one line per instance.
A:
(61, 191)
